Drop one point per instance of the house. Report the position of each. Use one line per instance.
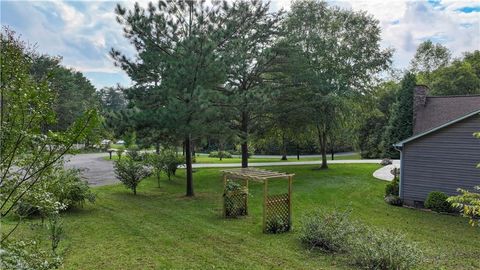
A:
(442, 153)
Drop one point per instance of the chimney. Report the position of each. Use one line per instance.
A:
(419, 101)
(419, 96)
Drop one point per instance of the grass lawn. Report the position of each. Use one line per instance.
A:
(206, 159)
(160, 228)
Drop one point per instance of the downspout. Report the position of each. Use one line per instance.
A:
(400, 189)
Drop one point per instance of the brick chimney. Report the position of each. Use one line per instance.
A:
(419, 96)
(419, 101)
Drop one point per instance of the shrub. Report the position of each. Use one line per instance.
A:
(134, 153)
(130, 173)
(155, 161)
(235, 198)
(378, 249)
(327, 231)
(386, 161)
(63, 190)
(220, 154)
(278, 225)
(437, 201)
(55, 229)
(171, 162)
(120, 151)
(392, 188)
(70, 189)
(27, 255)
(469, 205)
(393, 200)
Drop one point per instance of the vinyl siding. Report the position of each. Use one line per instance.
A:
(441, 161)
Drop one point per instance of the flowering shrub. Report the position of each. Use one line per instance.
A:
(26, 255)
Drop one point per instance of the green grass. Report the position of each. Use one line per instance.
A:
(160, 228)
(206, 159)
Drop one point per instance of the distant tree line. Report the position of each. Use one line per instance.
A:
(391, 116)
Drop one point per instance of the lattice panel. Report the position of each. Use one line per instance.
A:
(277, 213)
(235, 203)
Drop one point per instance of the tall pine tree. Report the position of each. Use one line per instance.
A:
(249, 55)
(179, 66)
(400, 124)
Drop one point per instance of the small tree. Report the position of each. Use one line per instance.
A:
(171, 161)
(130, 173)
(156, 162)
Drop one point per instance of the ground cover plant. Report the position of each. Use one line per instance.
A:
(161, 228)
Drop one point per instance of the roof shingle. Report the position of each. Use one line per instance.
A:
(443, 109)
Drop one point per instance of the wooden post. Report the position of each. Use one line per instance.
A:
(265, 195)
(290, 201)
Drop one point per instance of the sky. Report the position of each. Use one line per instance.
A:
(83, 32)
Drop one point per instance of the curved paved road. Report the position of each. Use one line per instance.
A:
(98, 171)
(95, 169)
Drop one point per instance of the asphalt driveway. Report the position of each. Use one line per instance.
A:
(95, 169)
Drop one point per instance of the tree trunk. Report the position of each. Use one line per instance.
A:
(157, 148)
(323, 147)
(284, 147)
(220, 149)
(183, 149)
(188, 164)
(298, 152)
(245, 140)
(134, 190)
(333, 150)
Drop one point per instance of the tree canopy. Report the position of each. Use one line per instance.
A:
(337, 55)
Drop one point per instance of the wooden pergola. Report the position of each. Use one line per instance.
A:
(277, 209)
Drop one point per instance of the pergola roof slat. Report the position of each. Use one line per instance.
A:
(258, 174)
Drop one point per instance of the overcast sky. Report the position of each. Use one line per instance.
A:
(82, 32)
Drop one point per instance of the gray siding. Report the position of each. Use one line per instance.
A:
(441, 161)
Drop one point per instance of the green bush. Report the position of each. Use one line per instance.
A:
(64, 187)
(329, 232)
(235, 198)
(171, 162)
(134, 153)
(437, 201)
(130, 173)
(393, 200)
(70, 189)
(278, 224)
(220, 154)
(378, 249)
(392, 188)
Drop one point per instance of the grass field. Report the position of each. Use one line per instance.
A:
(209, 160)
(160, 228)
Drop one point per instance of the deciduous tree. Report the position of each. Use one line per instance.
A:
(337, 56)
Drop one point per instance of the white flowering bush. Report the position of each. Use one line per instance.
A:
(27, 255)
